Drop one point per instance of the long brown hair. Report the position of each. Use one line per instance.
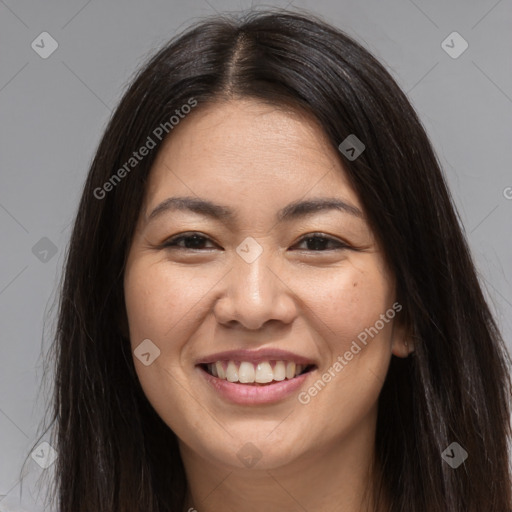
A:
(115, 454)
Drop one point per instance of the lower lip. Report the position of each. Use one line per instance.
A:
(246, 394)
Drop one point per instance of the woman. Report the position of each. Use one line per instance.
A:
(268, 301)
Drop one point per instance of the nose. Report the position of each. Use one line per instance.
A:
(255, 293)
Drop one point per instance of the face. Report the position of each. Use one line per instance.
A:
(258, 284)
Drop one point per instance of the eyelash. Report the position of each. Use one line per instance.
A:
(172, 242)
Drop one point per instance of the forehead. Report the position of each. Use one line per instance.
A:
(247, 152)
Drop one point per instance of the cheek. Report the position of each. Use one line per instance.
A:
(346, 311)
(160, 303)
(349, 301)
(160, 299)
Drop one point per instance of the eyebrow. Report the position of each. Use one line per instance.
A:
(294, 210)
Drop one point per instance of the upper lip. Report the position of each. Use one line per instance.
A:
(255, 356)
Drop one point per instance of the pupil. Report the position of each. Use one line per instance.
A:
(318, 243)
(193, 241)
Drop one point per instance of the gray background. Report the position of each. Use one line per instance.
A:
(53, 112)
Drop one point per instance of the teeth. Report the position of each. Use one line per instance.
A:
(221, 373)
(279, 371)
(261, 373)
(290, 370)
(246, 372)
(232, 372)
(264, 373)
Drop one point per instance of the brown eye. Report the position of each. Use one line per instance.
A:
(320, 243)
(190, 241)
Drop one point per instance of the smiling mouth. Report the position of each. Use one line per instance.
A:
(258, 374)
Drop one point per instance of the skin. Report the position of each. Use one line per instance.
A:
(256, 159)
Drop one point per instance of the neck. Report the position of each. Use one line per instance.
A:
(334, 476)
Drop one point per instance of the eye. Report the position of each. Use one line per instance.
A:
(317, 242)
(190, 241)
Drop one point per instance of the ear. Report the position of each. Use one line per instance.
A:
(402, 344)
